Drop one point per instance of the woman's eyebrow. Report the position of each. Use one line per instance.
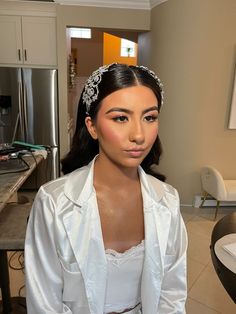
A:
(115, 109)
(150, 109)
(119, 109)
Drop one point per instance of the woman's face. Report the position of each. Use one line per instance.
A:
(126, 126)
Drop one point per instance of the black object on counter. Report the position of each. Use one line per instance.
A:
(8, 150)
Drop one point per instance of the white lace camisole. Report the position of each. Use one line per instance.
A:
(124, 279)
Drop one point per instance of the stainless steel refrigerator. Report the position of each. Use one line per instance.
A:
(29, 113)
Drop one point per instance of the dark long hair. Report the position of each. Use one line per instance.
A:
(84, 147)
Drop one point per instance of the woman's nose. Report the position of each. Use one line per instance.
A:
(137, 133)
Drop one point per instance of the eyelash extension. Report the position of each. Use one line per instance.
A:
(120, 118)
(149, 118)
(152, 118)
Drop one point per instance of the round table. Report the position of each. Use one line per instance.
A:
(225, 226)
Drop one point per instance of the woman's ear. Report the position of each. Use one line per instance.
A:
(91, 127)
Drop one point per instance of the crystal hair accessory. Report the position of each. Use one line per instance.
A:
(159, 83)
(91, 90)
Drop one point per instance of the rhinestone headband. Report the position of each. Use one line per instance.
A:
(91, 89)
(159, 83)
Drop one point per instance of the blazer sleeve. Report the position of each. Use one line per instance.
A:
(44, 283)
(174, 284)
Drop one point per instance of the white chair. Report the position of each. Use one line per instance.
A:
(214, 185)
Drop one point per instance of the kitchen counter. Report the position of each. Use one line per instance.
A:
(13, 221)
(11, 182)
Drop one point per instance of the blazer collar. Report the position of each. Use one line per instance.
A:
(79, 184)
(151, 186)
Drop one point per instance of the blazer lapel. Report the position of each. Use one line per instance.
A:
(157, 221)
(84, 232)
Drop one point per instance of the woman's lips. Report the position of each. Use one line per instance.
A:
(135, 152)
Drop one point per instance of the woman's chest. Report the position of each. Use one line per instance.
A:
(122, 220)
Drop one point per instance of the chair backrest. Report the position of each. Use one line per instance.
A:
(213, 183)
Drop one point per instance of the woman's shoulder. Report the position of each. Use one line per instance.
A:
(55, 185)
(167, 189)
(165, 194)
(64, 186)
(60, 182)
(50, 193)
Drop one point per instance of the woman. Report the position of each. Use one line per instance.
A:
(108, 237)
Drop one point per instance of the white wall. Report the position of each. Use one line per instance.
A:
(193, 49)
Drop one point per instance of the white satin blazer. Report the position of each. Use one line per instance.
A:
(66, 267)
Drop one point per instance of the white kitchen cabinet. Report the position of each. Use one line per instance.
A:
(39, 40)
(28, 40)
(10, 39)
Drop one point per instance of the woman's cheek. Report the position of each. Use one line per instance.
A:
(152, 134)
(110, 134)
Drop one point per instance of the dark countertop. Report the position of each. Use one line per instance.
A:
(11, 182)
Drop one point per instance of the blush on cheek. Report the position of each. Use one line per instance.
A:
(153, 135)
(110, 133)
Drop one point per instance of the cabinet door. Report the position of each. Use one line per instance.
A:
(39, 40)
(10, 39)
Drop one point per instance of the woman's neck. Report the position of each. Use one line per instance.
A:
(110, 174)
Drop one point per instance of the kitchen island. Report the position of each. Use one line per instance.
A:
(13, 222)
(10, 181)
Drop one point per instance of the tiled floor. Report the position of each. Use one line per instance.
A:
(206, 295)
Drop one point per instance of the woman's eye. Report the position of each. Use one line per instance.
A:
(151, 118)
(120, 119)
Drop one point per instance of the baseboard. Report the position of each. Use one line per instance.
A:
(209, 202)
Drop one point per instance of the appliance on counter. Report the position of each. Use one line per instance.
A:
(29, 113)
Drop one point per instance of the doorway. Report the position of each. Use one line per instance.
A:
(86, 52)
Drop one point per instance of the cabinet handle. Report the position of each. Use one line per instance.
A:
(25, 55)
(19, 55)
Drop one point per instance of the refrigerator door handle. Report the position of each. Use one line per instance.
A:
(25, 113)
(19, 54)
(20, 110)
(25, 55)
(16, 127)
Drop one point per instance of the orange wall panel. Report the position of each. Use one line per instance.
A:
(111, 51)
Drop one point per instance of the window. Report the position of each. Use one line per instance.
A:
(127, 48)
(80, 33)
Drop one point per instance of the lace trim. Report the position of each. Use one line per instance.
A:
(134, 249)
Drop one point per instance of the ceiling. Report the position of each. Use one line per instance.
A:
(131, 4)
